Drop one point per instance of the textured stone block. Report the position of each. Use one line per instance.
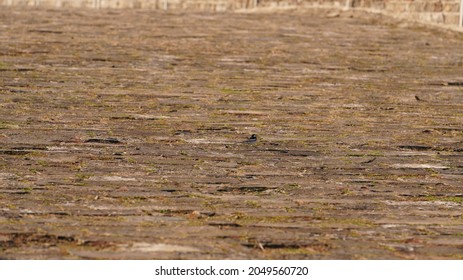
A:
(431, 17)
(451, 7)
(396, 6)
(452, 18)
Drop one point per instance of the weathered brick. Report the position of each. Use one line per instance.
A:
(451, 7)
(452, 18)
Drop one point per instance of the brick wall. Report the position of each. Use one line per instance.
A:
(210, 5)
(436, 11)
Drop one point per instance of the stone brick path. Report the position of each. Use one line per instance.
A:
(121, 136)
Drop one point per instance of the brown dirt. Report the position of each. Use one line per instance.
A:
(122, 134)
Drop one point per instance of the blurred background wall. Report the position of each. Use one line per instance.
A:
(445, 12)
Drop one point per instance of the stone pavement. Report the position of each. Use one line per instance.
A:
(122, 135)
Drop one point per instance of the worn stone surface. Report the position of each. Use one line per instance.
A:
(123, 135)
